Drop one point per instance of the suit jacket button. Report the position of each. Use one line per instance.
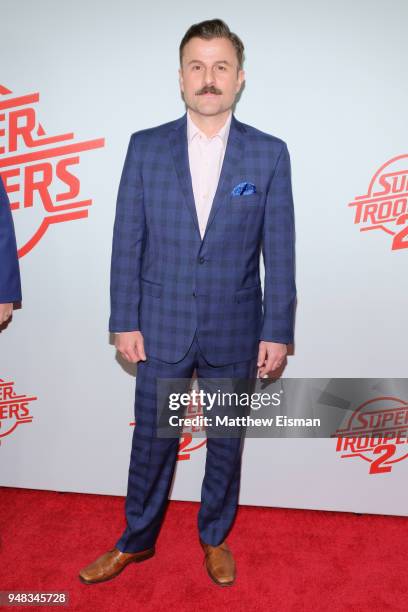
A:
(201, 259)
(194, 293)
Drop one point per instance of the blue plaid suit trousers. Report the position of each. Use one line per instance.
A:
(153, 458)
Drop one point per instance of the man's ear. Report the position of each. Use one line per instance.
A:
(241, 79)
(180, 72)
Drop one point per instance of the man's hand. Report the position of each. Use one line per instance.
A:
(131, 346)
(5, 312)
(270, 357)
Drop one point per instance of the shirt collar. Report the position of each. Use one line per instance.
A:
(193, 130)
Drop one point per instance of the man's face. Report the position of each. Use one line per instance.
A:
(209, 76)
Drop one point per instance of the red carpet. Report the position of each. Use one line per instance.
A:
(287, 560)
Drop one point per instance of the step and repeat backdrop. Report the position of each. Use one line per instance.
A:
(76, 80)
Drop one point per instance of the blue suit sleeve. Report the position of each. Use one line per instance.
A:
(127, 245)
(10, 282)
(278, 250)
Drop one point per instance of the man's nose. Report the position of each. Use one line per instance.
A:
(209, 76)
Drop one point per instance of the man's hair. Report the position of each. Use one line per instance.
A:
(213, 28)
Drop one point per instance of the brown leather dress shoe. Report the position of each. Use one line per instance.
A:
(110, 564)
(220, 563)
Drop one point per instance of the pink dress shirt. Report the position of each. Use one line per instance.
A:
(205, 158)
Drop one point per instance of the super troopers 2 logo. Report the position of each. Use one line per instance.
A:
(14, 409)
(385, 205)
(376, 432)
(188, 441)
(39, 172)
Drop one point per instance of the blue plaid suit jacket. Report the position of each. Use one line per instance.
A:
(167, 282)
(10, 282)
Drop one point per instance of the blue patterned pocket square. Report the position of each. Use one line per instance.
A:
(244, 188)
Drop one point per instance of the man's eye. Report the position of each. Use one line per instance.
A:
(196, 67)
(221, 68)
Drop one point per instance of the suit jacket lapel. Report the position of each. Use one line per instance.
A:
(179, 149)
(234, 154)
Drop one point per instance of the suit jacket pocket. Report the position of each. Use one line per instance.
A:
(243, 201)
(151, 288)
(249, 293)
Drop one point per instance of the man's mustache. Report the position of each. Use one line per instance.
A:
(211, 89)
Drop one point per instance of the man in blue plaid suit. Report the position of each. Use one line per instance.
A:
(10, 282)
(185, 284)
